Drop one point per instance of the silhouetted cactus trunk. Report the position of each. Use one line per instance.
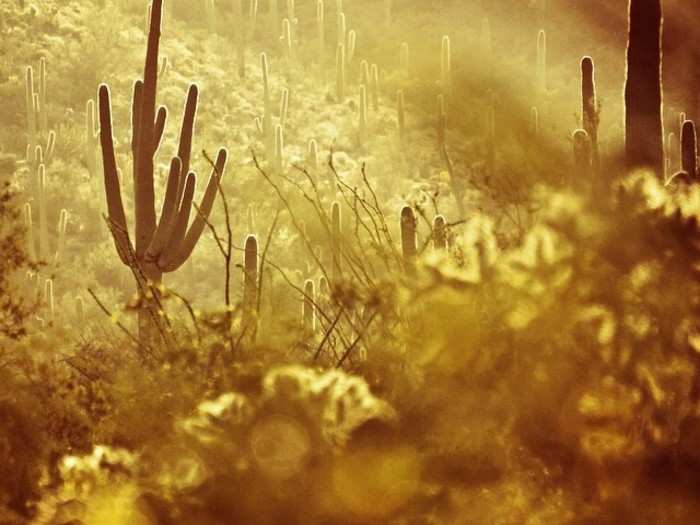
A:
(643, 96)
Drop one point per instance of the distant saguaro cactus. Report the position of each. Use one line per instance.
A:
(362, 109)
(643, 96)
(164, 245)
(401, 113)
(689, 149)
(321, 29)
(250, 280)
(92, 138)
(404, 59)
(589, 104)
(408, 233)
(446, 65)
(340, 73)
(541, 66)
(312, 154)
(534, 122)
(439, 233)
(308, 311)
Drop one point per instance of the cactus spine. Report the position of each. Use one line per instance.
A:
(160, 245)
(643, 96)
(408, 234)
(689, 149)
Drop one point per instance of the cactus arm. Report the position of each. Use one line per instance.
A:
(135, 119)
(179, 228)
(167, 215)
(144, 195)
(186, 247)
(115, 206)
(161, 118)
(185, 147)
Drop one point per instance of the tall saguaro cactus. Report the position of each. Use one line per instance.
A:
(643, 96)
(160, 245)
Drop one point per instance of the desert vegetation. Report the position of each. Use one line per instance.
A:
(362, 262)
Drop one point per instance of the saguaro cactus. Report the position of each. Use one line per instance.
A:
(404, 59)
(408, 234)
(352, 43)
(401, 113)
(41, 253)
(541, 66)
(278, 160)
(362, 109)
(439, 233)
(589, 109)
(160, 245)
(689, 149)
(92, 134)
(308, 312)
(321, 29)
(446, 65)
(643, 97)
(245, 31)
(250, 280)
(340, 73)
(534, 122)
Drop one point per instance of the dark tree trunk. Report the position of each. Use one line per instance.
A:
(643, 91)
